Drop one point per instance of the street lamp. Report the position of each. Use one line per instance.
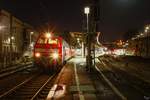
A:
(88, 57)
(30, 44)
(12, 37)
(146, 31)
(147, 28)
(87, 11)
(31, 33)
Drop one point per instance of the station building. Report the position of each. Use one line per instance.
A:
(141, 42)
(15, 37)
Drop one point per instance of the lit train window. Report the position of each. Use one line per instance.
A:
(52, 41)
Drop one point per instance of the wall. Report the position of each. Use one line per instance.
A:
(11, 38)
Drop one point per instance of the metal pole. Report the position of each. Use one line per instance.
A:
(82, 48)
(89, 52)
(30, 40)
(10, 39)
(89, 57)
(147, 51)
(87, 24)
(88, 45)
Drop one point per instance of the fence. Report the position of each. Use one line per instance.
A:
(8, 59)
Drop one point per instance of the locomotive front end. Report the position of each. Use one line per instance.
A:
(48, 52)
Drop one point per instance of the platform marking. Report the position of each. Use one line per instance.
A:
(81, 96)
(55, 92)
(52, 92)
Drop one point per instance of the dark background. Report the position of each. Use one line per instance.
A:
(116, 16)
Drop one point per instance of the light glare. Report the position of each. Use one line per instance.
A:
(37, 55)
(147, 28)
(86, 10)
(31, 33)
(48, 35)
(55, 55)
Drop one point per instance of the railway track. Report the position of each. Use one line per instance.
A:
(116, 91)
(35, 87)
(9, 71)
(120, 84)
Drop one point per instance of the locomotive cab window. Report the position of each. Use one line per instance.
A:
(42, 41)
(52, 41)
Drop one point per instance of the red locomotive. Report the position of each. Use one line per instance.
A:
(50, 52)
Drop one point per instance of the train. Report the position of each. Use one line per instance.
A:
(50, 52)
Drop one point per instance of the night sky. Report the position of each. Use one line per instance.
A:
(117, 16)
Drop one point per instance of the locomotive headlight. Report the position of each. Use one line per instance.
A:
(37, 54)
(55, 55)
(48, 35)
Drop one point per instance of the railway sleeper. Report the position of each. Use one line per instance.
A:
(42, 95)
(26, 93)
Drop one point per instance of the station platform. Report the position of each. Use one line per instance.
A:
(75, 83)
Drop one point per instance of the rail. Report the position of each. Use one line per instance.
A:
(13, 70)
(34, 85)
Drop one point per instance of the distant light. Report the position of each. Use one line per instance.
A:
(147, 28)
(127, 44)
(31, 45)
(133, 38)
(8, 40)
(31, 33)
(105, 48)
(86, 10)
(12, 37)
(1, 27)
(78, 40)
(141, 34)
(138, 35)
(119, 51)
